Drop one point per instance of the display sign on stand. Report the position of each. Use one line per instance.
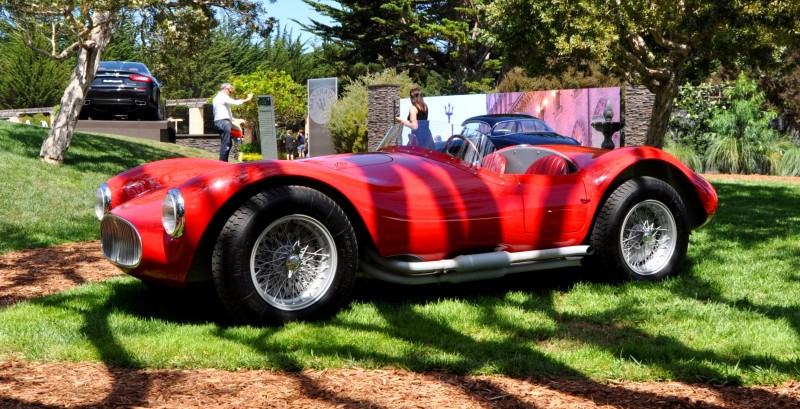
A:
(266, 127)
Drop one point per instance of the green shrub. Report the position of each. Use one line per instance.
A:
(740, 135)
(692, 110)
(288, 97)
(250, 148)
(36, 119)
(250, 156)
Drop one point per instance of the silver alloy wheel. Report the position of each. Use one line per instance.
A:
(293, 262)
(648, 237)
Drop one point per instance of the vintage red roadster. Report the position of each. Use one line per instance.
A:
(284, 240)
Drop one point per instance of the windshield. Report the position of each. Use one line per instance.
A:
(521, 126)
(511, 126)
(123, 66)
(469, 145)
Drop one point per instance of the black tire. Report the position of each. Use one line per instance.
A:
(155, 114)
(641, 233)
(300, 247)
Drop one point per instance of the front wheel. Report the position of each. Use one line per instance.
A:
(287, 254)
(641, 233)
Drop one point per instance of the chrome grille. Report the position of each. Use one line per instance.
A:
(120, 241)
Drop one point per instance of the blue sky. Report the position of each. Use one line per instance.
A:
(285, 10)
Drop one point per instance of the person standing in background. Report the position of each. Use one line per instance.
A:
(418, 112)
(288, 144)
(301, 144)
(221, 105)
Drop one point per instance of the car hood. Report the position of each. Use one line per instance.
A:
(344, 162)
(158, 175)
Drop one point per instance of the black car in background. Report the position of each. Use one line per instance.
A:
(514, 129)
(124, 90)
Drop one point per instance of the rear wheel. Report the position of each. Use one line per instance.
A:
(287, 254)
(641, 233)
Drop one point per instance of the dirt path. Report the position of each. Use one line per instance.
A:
(34, 273)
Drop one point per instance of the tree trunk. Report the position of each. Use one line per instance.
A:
(55, 146)
(665, 95)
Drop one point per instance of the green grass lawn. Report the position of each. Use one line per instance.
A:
(42, 205)
(732, 317)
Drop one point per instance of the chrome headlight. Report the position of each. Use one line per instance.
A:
(172, 213)
(102, 201)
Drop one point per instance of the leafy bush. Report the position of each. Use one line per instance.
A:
(692, 110)
(348, 124)
(249, 148)
(250, 157)
(740, 135)
(288, 97)
(36, 119)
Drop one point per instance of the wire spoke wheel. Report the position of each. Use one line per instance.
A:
(287, 254)
(641, 232)
(293, 262)
(648, 237)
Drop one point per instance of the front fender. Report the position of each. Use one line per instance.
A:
(212, 191)
(157, 175)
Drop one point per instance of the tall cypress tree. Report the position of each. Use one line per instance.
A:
(429, 39)
(29, 79)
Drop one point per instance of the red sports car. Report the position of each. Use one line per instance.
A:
(283, 240)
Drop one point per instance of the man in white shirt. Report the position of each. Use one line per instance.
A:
(221, 104)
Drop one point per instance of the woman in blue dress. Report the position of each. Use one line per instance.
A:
(417, 120)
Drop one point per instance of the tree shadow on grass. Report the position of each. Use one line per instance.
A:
(751, 224)
(399, 307)
(614, 330)
(754, 217)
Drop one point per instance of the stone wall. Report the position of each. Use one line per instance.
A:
(638, 107)
(208, 144)
(383, 104)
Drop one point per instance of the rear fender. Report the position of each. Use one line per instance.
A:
(603, 185)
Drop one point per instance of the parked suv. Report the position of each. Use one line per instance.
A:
(124, 90)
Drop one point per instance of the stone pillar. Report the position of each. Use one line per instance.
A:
(382, 106)
(196, 121)
(637, 111)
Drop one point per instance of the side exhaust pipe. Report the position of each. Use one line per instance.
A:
(472, 267)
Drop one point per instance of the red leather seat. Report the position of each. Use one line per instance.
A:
(550, 165)
(494, 162)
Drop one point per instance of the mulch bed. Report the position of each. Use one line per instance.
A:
(34, 273)
(81, 385)
(766, 178)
